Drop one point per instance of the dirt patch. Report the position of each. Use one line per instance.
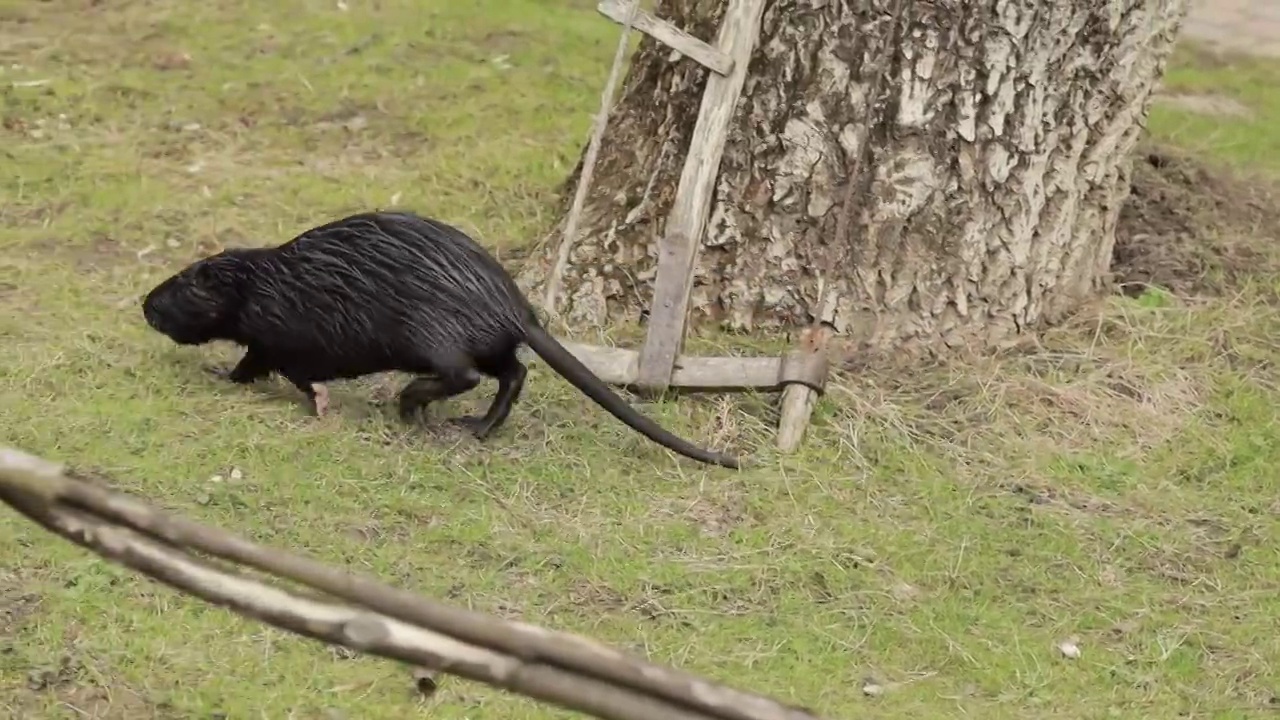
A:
(1058, 498)
(718, 516)
(92, 702)
(16, 606)
(100, 252)
(1189, 229)
(73, 683)
(506, 40)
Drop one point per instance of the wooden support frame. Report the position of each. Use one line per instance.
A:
(688, 217)
(667, 34)
(801, 375)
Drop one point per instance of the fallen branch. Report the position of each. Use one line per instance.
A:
(567, 670)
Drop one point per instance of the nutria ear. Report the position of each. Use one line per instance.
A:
(218, 272)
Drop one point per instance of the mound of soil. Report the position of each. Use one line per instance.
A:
(1190, 229)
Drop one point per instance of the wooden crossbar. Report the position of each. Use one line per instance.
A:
(668, 34)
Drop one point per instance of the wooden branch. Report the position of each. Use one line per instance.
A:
(567, 670)
(668, 34)
(688, 218)
(556, 276)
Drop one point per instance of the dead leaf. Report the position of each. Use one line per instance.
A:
(172, 61)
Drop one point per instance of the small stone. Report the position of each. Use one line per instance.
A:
(216, 479)
(1069, 648)
(343, 653)
(236, 475)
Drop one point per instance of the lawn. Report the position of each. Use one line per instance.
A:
(941, 533)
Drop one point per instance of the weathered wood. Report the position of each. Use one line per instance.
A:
(707, 374)
(620, 367)
(616, 366)
(800, 367)
(358, 612)
(801, 394)
(796, 406)
(688, 218)
(668, 34)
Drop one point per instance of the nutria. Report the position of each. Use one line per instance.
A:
(376, 292)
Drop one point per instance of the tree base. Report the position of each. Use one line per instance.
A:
(951, 174)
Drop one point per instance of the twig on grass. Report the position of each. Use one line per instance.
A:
(566, 670)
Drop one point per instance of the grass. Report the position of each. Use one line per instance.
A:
(941, 532)
(1250, 140)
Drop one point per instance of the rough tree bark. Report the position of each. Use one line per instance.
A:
(952, 168)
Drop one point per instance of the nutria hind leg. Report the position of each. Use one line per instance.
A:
(417, 394)
(443, 383)
(511, 374)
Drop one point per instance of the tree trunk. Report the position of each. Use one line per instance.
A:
(953, 169)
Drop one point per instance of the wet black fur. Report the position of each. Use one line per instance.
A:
(376, 292)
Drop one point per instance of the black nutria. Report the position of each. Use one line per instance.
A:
(377, 292)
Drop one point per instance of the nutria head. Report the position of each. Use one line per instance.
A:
(201, 302)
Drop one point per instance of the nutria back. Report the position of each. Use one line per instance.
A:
(368, 289)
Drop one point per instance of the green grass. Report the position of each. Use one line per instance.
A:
(941, 531)
(1247, 141)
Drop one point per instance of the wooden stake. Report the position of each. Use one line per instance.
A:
(798, 398)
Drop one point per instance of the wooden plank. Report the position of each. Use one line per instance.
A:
(688, 218)
(667, 34)
(616, 366)
(707, 374)
(619, 366)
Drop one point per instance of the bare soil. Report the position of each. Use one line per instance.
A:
(1192, 229)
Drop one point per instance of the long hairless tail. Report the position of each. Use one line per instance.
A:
(572, 369)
